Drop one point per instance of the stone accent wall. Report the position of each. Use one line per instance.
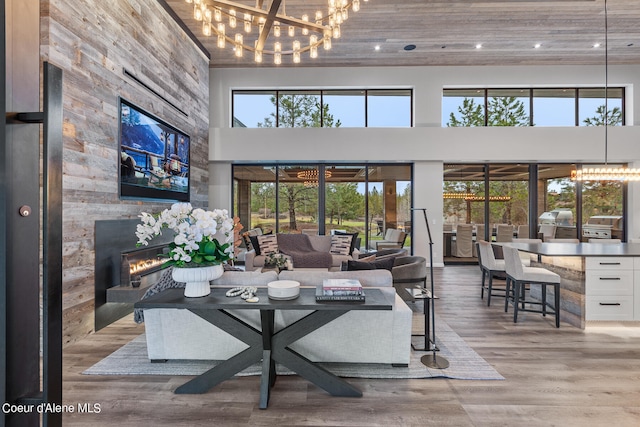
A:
(93, 42)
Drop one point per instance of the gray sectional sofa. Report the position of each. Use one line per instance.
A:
(366, 336)
(320, 243)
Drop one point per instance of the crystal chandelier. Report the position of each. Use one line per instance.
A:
(606, 173)
(261, 31)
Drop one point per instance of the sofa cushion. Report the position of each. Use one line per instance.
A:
(245, 278)
(320, 243)
(375, 278)
(302, 251)
(340, 245)
(268, 244)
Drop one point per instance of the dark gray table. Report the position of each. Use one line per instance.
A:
(266, 345)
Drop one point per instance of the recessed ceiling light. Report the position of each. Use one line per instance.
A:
(479, 46)
(377, 47)
(596, 45)
(410, 47)
(537, 46)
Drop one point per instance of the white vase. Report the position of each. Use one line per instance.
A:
(197, 279)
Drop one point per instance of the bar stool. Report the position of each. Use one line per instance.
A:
(518, 276)
(490, 266)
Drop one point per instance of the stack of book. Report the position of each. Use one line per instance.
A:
(340, 290)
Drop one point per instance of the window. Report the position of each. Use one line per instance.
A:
(299, 109)
(557, 199)
(346, 106)
(531, 107)
(252, 109)
(591, 104)
(463, 108)
(508, 107)
(528, 196)
(319, 198)
(298, 199)
(554, 107)
(323, 108)
(389, 108)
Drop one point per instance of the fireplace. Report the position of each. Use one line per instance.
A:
(119, 262)
(136, 264)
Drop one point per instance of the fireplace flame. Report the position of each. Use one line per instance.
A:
(144, 265)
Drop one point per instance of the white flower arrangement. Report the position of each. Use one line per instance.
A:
(202, 237)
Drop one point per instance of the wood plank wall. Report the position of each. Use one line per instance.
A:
(93, 41)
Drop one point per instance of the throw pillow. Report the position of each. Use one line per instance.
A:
(354, 239)
(247, 241)
(340, 245)
(254, 242)
(268, 244)
(383, 264)
(345, 264)
(358, 265)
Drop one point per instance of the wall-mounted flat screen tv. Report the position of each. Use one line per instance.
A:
(154, 157)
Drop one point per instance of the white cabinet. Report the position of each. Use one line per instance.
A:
(612, 288)
(636, 288)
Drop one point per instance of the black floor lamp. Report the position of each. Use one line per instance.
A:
(431, 361)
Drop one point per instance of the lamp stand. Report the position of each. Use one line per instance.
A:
(433, 360)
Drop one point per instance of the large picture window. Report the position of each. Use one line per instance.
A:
(323, 108)
(532, 107)
(532, 200)
(325, 198)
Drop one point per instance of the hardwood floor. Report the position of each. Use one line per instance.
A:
(562, 377)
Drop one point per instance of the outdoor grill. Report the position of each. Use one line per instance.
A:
(603, 227)
(556, 217)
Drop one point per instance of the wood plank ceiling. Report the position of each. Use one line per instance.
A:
(446, 33)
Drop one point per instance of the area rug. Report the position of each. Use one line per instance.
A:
(465, 364)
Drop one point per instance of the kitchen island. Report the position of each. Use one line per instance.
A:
(599, 282)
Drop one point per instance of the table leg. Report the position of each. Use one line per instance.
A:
(426, 310)
(268, 377)
(221, 372)
(232, 366)
(303, 366)
(324, 379)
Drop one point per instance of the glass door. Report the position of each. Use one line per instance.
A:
(344, 197)
(298, 199)
(509, 200)
(389, 193)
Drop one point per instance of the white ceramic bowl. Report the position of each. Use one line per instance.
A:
(283, 289)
